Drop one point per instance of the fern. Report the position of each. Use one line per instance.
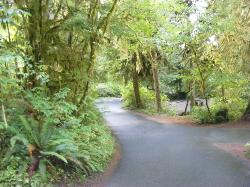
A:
(55, 154)
(32, 131)
(16, 138)
(46, 143)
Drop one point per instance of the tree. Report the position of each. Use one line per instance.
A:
(136, 82)
(154, 58)
(233, 39)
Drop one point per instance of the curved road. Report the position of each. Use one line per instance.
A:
(157, 155)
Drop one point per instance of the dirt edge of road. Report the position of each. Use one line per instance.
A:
(237, 150)
(187, 121)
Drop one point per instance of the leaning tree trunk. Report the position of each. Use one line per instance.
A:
(156, 87)
(192, 95)
(187, 99)
(246, 115)
(136, 84)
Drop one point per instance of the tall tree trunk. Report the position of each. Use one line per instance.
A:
(156, 86)
(136, 84)
(89, 71)
(246, 115)
(33, 34)
(192, 95)
(203, 88)
(187, 99)
(39, 12)
(192, 92)
(186, 107)
(94, 40)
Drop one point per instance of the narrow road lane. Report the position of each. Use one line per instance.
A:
(157, 155)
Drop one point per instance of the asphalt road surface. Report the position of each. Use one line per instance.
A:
(168, 155)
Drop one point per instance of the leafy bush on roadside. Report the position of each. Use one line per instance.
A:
(201, 115)
(108, 90)
(221, 111)
(147, 98)
(217, 115)
(46, 140)
(235, 106)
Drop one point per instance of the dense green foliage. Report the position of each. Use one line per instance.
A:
(108, 90)
(147, 99)
(233, 110)
(193, 50)
(57, 56)
(49, 127)
(147, 96)
(64, 145)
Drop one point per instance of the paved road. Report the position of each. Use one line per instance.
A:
(157, 155)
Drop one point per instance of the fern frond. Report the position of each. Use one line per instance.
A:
(57, 155)
(32, 132)
(16, 138)
(46, 133)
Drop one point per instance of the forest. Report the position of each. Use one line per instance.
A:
(57, 57)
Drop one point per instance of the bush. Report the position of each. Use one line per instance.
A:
(221, 116)
(201, 115)
(95, 143)
(46, 138)
(147, 98)
(218, 115)
(14, 175)
(235, 107)
(221, 111)
(108, 90)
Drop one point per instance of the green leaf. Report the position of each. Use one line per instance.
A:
(14, 139)
(32, 132)
(51, 153)
(42, 167)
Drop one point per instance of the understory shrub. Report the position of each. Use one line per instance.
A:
(235, 107)
(46, 141)
(147, 98)
(108, 90)
(201, 115)
(221, 111)
(221, 115)
(217, 115)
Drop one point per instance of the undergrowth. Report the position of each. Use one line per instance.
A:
(108, 90)
(46, 141)
(147, 99)
(220, 111)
